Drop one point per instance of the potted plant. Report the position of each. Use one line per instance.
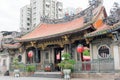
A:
(16, 67)
(67, 64)
(30, 70)
(47, 68)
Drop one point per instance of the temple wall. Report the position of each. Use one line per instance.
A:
(114, 49)
(94, 52)
(96, 44)
(4, 62)
(103, 54)
(24, 57)
(116, 52)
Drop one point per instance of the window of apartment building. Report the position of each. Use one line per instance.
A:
(60, 9)
(28, 9)
(28, 14)
(28, 28)
(47, 5)
(34, 25)
(34, 13)
(34, 7)
(28, 24)
(34, 2)
(28, 19)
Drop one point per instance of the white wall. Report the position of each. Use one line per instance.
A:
(94, 52)
(4, 68)
(116, 57)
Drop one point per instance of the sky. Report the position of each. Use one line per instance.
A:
(10, 11)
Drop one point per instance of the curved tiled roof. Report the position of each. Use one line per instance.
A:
(12, 46)
(104, 29)
(45, 30)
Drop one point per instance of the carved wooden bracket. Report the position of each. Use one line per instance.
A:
(20, 49)
(66, 37)
(111, 35)
(33, 43)
(88, 40)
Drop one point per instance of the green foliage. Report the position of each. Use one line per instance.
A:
(66, 56)
(86, 53)
(67, 63)
(15, 63)
(30, 68)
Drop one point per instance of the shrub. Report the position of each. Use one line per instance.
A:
(30, 68)
(86, 53)
(67, 63)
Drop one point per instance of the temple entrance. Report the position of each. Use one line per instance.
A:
(57, 57)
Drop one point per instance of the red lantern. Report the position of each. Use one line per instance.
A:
(80, 49)
(30, 54)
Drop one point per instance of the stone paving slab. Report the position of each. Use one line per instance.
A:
(39, 78)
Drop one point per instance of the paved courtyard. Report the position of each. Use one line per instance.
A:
(39, 78)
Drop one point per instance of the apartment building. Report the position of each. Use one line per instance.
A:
(25, 21)
(30, 15)
(45, 8)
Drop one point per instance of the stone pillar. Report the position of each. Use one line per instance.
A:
(8, 62)
(116, 57)
(52, 55)
(36, 55)
(24, 57)
(91, 51)
(42, 57)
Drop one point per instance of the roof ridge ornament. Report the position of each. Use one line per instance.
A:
(96, 3)
(92, 5)
(114, 16)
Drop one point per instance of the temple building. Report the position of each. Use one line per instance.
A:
(7, 44)
(91, 28)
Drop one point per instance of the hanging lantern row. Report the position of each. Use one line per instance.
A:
(80, 48)
(30, 54)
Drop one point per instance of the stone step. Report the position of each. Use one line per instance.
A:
(47, 74)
